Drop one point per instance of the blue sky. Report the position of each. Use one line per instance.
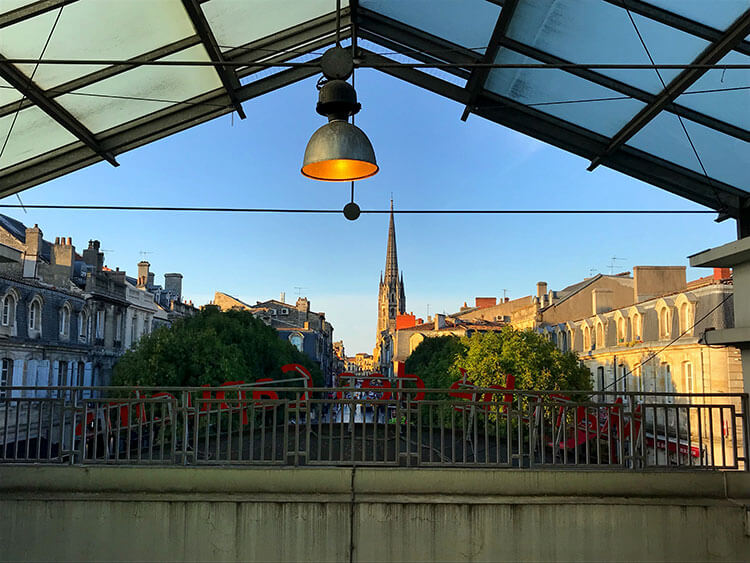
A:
(429, 158)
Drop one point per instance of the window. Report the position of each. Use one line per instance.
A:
(687, 377)
(62, 374)
(9, 310)
(80, 372)
(82, 322)
(297, 340)
(6, 375)
(64, 320)
(133, 333)
(284, 311)
(620, 330)
(100, 324)
(600, 380)
(118, 327)
(35, 315)
(599, 335)
(586, 338)
(664, 323)
(637, 334)
(685, 321)
(666, 381)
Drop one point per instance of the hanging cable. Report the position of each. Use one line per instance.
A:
(371, 211)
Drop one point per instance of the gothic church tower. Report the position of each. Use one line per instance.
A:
(391, 299)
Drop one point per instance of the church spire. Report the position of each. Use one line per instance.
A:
(391, 260)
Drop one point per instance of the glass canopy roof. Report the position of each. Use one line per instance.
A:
(85, 80)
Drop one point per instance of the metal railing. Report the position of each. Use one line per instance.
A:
(257, 425)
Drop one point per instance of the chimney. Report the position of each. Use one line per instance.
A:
(482, 302)
(601, 301)
(63, 255)
(143, 273)
(150, 280)
(282, 297)
(93, 257)
(33, 250)
(652, 281)
(541, 289)
(507, 299)
(303, 304)
(173, 284)
(439, 321)
(722, 273)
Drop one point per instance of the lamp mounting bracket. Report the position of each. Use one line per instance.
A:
(337, 63)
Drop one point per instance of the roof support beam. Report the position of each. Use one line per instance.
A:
(413, 42)
(25, 86)
(31, 10)
(479, 74)
(676, 21)
(577, 140)
(627, 89)
(226, 75)
(711, 55)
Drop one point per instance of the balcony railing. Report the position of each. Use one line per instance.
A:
(460, 427)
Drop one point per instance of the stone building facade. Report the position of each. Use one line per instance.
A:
(305, 329)
(64, 317)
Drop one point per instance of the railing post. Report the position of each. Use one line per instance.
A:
(745, 400)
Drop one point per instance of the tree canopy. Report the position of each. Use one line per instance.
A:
(535, 362)
(210, 348)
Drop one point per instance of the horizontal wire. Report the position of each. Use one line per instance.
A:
(397, 211)
(210, 104)
(162, 62)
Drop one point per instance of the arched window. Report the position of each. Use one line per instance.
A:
(9, 310)
(620, 330)
(685, 321)
(35, 316)
(65, 320)
(664, 323)
(637, 326)
(600, 335)
(297, 340)
(586, 338)
(82, 325)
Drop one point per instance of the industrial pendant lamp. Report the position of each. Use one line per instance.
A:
(339, 151)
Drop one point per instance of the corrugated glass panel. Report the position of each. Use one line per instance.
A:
(599, 32)
(101, 30)
(725, 158)
(719, 14)
(102, 109)
(733, 103)
(547, 89)
(33, 133)
(468, 23)
(8, 93)
(236, 23)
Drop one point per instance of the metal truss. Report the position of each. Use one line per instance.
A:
(226, 75)
(577, 140)
(711, 55)
(479, 74)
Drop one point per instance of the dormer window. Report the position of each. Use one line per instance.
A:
(664, 322)
(35, 317)
(65, 321)
(9, 310)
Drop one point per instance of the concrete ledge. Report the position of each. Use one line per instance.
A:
(739, 337)
(725, 256)
(336, 483)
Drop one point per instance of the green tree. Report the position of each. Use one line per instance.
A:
(489, 357)
(210, 348)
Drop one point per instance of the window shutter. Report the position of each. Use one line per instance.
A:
(87, 377)
(17, 376)
(42, 378)
(55, 381)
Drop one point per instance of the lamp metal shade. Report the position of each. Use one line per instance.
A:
(339, 152)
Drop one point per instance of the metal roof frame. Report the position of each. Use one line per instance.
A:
(417, 44)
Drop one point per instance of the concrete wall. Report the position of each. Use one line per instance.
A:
(108, 513)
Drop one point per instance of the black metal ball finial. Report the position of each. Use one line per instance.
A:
(351, 211)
